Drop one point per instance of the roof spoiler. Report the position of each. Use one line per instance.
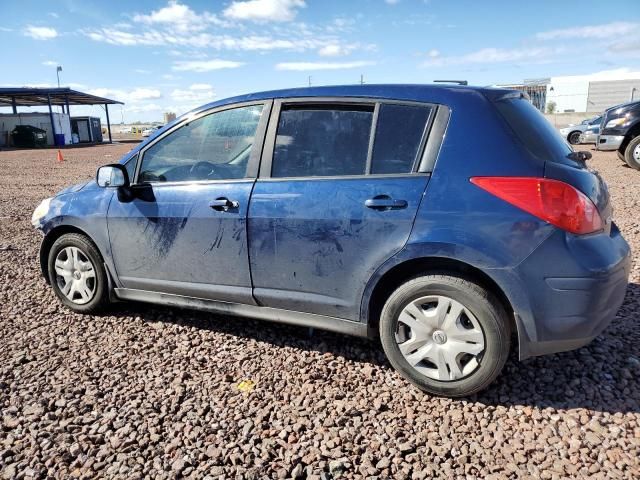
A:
(457, 82)
(497, 95)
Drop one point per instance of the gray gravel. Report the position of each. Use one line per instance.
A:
(154, 392)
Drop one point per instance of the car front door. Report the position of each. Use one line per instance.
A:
(338, 191)
(184, 230)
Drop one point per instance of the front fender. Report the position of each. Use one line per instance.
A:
(85, 212)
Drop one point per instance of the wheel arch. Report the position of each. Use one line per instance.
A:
(632, 133)
(50, 238)
(410, 268)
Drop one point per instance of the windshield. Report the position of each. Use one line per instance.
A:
(534, 131)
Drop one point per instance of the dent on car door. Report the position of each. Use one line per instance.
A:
(337, 195)
(184, 230)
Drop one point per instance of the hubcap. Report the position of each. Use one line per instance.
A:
(636, 153)
(440, 338)
(75, 275)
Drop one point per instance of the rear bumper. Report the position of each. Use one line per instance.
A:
(609, 142)
(573, 286)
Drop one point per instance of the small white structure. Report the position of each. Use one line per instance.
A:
(61, 121)
(593, 93)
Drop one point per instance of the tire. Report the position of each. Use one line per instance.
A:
(632, 153)
(574, 137)
(88, 286)
(480, 319)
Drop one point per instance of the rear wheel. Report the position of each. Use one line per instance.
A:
(77, 274)
(445, 334)
(632, 153)
(574, 137)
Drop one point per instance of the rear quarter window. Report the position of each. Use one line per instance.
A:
(533, 130)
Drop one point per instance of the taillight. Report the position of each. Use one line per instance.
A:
(550, 200)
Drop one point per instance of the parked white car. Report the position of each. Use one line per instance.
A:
(148, 131)
(572, 132)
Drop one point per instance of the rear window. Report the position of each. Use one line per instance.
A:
(319, 141)
(533, 130)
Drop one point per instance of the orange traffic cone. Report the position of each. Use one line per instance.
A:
(60, 158)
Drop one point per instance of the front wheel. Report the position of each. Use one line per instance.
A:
(445, 334)
(632, 153)
(77, 274)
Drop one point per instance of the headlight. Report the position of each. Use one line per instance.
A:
(615, 122)
(40, 211)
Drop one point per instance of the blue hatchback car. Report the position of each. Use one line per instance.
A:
(453, 222)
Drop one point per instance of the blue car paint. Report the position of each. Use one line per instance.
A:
(563, 288)
(178, 244)
(303, 232)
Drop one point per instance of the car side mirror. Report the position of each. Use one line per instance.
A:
(114, 175)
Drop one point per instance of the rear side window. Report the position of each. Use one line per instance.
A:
(399, 134)
(533, 130)
(314, 141)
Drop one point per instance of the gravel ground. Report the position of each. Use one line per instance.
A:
(158, 392)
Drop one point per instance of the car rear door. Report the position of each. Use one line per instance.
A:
(184, 230)
(337, 194)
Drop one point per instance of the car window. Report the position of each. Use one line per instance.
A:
(322, 141)
(398, 137)
(214, 147)
(130, 166)
(535, 132)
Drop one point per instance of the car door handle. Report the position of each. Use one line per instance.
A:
(223, 204)
(384, 202)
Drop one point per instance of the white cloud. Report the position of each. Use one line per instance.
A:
(204, 65)
(50, 63)
(200, 86)
(142, 71)
(5, 29)
(147, 107)
(606, 30)
(53, 15)
(306, 66)
(179, 17)
(264, 10)
(334, 50)
(433, 53)
(493, 55)
(137, 95)
(197, 93)
(40, 33)
(203, 40)
(392, 2)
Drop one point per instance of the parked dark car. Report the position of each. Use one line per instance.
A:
(375, 210)
(620, 131)
(28, 136)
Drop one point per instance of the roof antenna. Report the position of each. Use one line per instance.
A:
(457, 82)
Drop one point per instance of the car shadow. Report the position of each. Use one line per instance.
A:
(602, 376)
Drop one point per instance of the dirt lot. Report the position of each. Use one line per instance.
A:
(153, 392)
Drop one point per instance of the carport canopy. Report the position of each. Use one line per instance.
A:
(33, 97)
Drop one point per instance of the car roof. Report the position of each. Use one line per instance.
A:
(435, 93)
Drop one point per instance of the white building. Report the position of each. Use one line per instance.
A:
(593, 93)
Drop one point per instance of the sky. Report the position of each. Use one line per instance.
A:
(175, 55)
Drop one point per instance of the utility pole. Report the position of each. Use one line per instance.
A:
(361, 79)
(309, 79)
(58, 70)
